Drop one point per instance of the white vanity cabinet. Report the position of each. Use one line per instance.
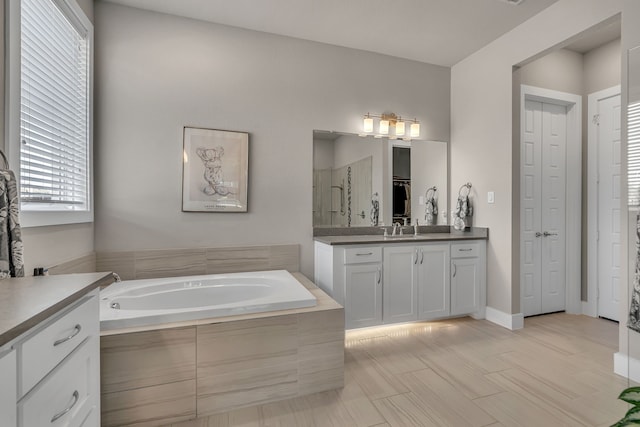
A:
(50, 376)
(361, 268)
(416, 282)
(434, 278)
(8, 394)
(467, 278)
(400, 285)
(401, 281)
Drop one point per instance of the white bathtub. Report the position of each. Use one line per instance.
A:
(153, 301)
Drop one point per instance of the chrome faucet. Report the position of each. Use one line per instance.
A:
(396, 226)
(415, 228)
(116, 277)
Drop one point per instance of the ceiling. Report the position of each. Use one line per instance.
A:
(440, 32)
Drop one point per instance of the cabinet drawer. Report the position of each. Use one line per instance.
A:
(68, 394)
(362, 255)
(465, 250)
(43, 350)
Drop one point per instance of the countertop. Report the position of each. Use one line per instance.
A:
(27, 301)
(473, 234)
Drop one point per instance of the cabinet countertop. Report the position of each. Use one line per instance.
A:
(473, 234)
(27, 301)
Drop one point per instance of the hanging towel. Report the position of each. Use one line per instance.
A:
(11, 261)
(634, 311)
(431, 206)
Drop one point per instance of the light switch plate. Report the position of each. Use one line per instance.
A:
(491, 197)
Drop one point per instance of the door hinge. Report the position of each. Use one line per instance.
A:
(596, 119)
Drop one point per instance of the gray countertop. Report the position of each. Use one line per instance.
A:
(27, 301)
(473, 234)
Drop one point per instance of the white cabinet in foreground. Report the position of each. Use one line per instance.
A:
(8, 383)
(400, 282)
(50, 375)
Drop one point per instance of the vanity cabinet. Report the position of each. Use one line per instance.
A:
(8, 395)
(401, 282)
(434, 277)
(467, 276)
(400, 288)
(51, 374)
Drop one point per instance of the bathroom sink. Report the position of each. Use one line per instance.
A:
(400, 237)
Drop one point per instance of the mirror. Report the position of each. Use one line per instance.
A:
(352, 174)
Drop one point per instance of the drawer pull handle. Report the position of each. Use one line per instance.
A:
(379, 275)
(465, 250)
(75, 332)
(421, 256)
(61, 414)
(367, 254)
(455, 269)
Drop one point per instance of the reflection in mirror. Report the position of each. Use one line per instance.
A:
(354, 180)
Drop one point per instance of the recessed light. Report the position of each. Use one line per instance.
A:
(513, 2)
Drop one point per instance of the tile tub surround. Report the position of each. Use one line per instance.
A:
(147, 264)
(184, 370)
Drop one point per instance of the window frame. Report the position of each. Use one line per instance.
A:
(75, 15)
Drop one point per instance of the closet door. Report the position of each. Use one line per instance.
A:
(542, 189)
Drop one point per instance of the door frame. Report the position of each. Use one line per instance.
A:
(590, 306)
(573, 209)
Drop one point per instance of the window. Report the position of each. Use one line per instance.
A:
(51, 137)
(633, 128)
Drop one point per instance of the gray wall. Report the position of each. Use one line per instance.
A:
(156, 73)
(481, 129)
(581, 74)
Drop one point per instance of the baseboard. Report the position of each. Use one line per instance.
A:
(626, 366)
(509, 321)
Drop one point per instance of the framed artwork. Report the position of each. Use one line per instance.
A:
(214, 170)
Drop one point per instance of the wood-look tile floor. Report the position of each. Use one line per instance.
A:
(557, 371)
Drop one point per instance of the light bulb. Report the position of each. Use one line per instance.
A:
(367, 126)
(415, 130)
(384, 127)
(399, 128)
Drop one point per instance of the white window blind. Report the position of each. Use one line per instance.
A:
(633, 153)
(54, 110)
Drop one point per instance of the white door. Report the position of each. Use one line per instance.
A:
(609, 207)
(543, 199)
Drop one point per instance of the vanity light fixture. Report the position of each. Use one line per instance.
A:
(388, 121)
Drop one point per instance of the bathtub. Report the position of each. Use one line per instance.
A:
(154, 301)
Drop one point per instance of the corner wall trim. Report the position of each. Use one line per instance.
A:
(509, 321)
(626, 366)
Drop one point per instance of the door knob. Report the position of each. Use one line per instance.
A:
(538, 234)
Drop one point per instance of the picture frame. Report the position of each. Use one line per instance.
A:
(214, 170)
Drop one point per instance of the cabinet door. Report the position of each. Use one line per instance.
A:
(433, 281)
(465, 285)
(363, 302)
(400, 284)
(8, 389)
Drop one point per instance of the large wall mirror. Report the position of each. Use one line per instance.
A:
(353, 174)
